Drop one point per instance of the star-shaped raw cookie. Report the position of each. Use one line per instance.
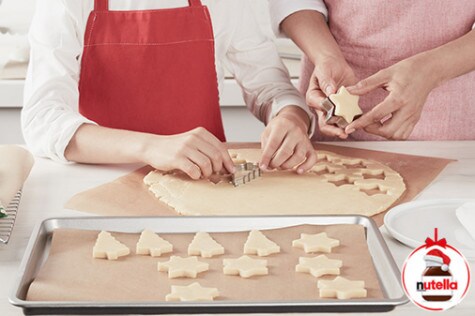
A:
(245, 267)
(107, 247)
(346, 105)
(205, 246)
(341, 288)
(192, 293)
(258, 244)
(318, 266)
(315, 242)
(178, 267)
(151, 244)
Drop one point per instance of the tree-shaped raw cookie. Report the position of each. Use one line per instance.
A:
(178, 267)
(258, 244)
(245, 267)
(151, 244)
(192, 293)
(318, 266)
(315, 243)
(205, 246)
(107, 247)
(341, 288)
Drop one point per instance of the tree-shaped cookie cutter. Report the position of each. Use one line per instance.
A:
(245, 173)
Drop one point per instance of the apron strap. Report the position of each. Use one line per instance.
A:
(101, 5)
(194, 3)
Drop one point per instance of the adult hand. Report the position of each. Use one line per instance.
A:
(285, 142)
(329, 75)
(409, 83)
(198, 153)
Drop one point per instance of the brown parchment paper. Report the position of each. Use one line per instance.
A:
(129, 196)
(71, 274)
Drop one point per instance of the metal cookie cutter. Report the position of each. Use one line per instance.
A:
(330, 117)
(245, 172)
(341, 108)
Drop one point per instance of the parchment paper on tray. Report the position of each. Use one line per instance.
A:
(71, 274)
(129, 196)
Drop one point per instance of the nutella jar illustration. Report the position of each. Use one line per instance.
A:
(436, 278)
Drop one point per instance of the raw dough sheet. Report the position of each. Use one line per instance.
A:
(129, 196)
(71, 274)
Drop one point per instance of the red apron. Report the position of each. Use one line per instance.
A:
(150, 71)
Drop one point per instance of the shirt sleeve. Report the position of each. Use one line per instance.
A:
(281, 9)
(50, 114)
(255, 63)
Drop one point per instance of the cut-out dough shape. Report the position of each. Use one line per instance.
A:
(318, 266)
(258, 244)
(297, 191)
(346, 104)
(341, 288)
(107, 247)
(151, 244)
(192, 293)
(315, 243)
(245, 267)
(205, 246)
(179, 267)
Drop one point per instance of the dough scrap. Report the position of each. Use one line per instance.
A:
(205, 246)
(192, 293)
(179, 267)
(341, 288)
(258, 244)
(152, 244)
(285, 192)
(315, 243)
(245, 267)
(319, 266)
(107, 247)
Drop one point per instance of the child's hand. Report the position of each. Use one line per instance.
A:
(328, 76)
(285, 142)
(198, 153)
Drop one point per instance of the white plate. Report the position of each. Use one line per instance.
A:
(411, 223)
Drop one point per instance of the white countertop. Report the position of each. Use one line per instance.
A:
(51, 185)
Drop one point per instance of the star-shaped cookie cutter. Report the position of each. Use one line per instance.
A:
(335, 115)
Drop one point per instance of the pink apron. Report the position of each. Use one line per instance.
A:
(374, 34)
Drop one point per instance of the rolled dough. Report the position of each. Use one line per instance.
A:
(336, 185)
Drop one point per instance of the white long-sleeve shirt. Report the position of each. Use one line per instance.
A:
(50, 114)
(280, 9)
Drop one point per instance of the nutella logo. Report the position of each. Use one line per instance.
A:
(436, 276)
(430, 284)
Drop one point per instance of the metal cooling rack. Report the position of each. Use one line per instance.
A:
(7, 223)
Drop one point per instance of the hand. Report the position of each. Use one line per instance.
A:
(328, 76)
(409, 82)
(198, 153)
(285, 142)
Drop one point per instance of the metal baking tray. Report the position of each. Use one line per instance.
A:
(38, 247)
(7, 223)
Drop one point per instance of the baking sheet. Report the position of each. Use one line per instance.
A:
(66, 279)
(128, 195)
